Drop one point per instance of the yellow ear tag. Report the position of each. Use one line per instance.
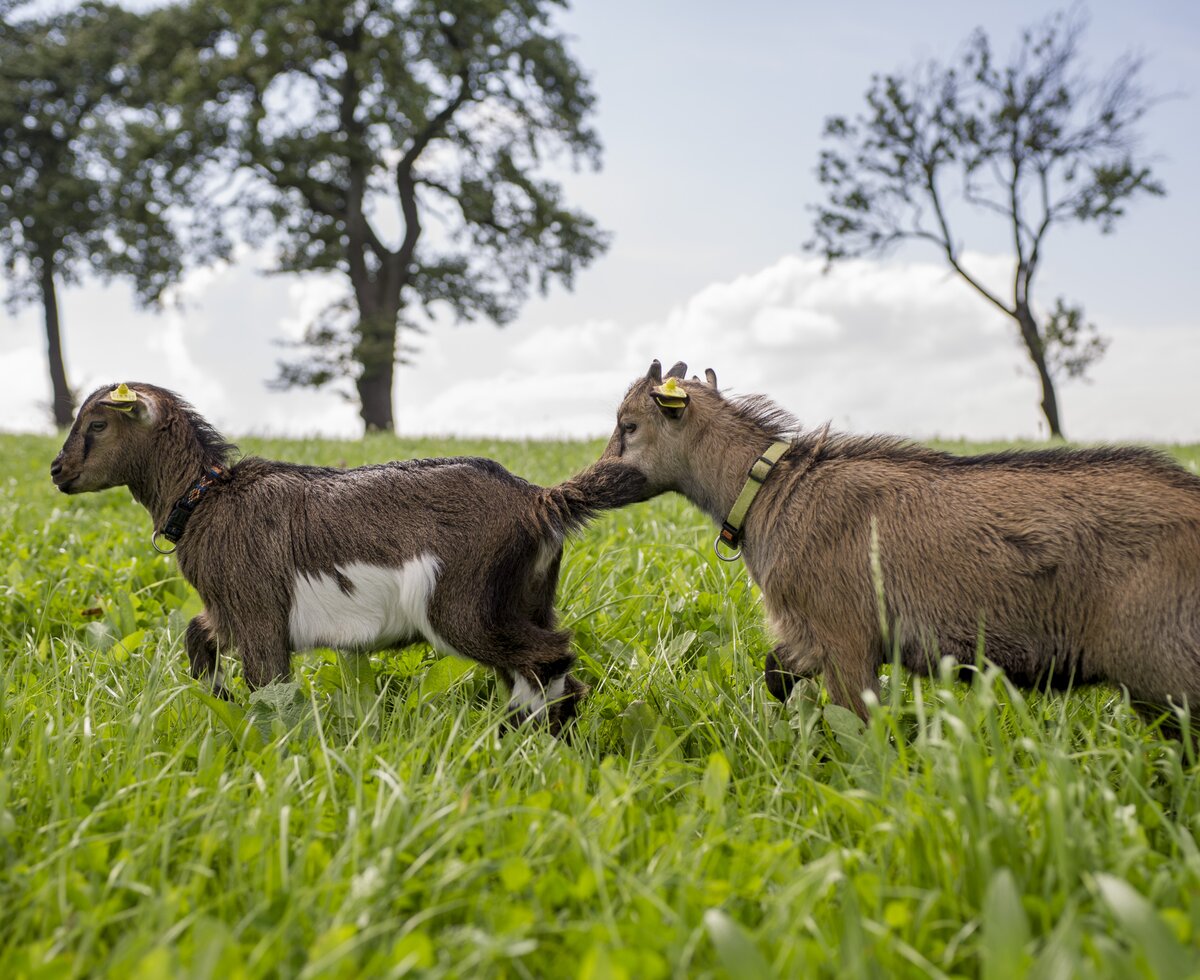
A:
(670, 395)
(123, 396)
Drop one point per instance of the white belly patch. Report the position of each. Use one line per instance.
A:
(385, 605)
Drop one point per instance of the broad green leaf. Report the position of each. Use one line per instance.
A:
(515, 873)
(1005, 929)
(737, 952)
(442, 675)
(413, 951)
(234, 718)
(716, 782)
(1153, 939)
(359, 678)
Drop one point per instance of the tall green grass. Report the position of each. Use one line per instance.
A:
(370, 822)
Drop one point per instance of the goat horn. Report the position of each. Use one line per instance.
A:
(711, 375)
(678, 371)
(655, 372)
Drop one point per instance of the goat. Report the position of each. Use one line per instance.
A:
(1073, 566)
(457, 552)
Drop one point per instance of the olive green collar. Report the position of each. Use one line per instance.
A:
(731, 530)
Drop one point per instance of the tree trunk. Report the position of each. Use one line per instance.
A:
(376, 352)
(63, 406)
(375, 399)
(1033, 343)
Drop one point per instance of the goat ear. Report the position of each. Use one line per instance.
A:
(655, 372)
(711, 376)
(678, 371)
(671, 398)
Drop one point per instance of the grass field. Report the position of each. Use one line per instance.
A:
(369, 822)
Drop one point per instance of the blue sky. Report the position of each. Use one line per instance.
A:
(710, 114)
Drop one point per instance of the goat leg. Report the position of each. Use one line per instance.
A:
(849, 675)
(203, 655)
(545, 690)
(264, 662)
(563, 712)
(780, 680)
(798, 658)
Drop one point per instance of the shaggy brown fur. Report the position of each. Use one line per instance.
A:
(257, 540)
(1074, 566)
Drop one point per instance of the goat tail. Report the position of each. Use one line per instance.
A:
(605, 485)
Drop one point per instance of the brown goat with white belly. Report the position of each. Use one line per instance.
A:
(457, 552)
(1074, 566)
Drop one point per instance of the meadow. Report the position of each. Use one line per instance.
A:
(368, 820)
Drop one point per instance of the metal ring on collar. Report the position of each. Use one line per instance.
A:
(717, 549)
(162, 551)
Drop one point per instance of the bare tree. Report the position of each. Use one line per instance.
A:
(1035, 142)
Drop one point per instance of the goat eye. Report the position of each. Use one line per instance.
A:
(628, 427)
(97, 425)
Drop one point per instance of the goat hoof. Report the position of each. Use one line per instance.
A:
(562, 717)
(513, 719)
(779, 680)
(217, 690)
(574, 689)
(565, 710)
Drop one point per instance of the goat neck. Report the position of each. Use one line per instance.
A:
(723, 456)
(180, 460)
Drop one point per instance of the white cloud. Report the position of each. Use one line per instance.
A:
(25, 392)
(309, 298)
(776, 327)
(896, 347)
(171, 342)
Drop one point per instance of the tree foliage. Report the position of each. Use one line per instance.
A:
(1034, 142)
(79, 192)
(399, 144)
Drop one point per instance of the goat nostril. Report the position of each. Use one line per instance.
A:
(55, 468)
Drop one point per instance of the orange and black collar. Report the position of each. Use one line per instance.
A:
(176, 522)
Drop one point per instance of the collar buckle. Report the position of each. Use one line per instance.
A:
(729, 538)
(176, 522)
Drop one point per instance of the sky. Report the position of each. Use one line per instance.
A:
(711, 115)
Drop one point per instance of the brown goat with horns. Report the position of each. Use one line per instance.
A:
(457, 552)
(1074, 566)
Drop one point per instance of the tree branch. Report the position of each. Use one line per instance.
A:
(358, 230)
(947, 244)
(434, 126)
(1044, 225)
(406, 184)
(1014, 199)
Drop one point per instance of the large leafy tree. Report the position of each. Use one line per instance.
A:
(1033, 142)
(76, 196)
(398, 143)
